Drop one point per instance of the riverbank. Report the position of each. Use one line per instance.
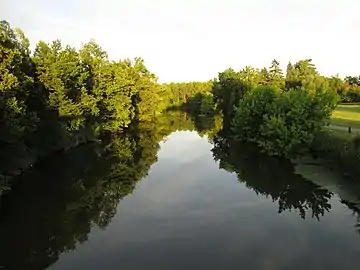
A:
(16, 160)
(340, 150)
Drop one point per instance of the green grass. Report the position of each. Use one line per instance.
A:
(346, 116)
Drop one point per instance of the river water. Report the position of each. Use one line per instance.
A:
(184, 202)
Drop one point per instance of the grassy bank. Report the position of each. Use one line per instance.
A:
(347, 116)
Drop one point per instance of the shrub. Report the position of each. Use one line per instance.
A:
(282, 123)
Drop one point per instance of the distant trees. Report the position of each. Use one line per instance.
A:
(351, 90)
(180, 93)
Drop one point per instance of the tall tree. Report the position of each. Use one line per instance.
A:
(276, 75)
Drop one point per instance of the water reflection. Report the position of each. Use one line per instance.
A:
(354, 208)
(54, 208)
(272, 177)
(187, 213)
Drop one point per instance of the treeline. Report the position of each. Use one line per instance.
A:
(181, 93)
(280, 113)
(301, 74)
(57, 97)
(349, 89)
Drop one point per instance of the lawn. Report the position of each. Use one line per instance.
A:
(347, 116)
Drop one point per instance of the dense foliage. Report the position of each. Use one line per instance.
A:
(281, 122)
(349, 90)
(58, 97)
(281, 114)
(181, 93)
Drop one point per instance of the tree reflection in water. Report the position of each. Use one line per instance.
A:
(53, 208)
(271, 177)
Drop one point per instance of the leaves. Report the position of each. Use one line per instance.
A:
(282, 122)
(66, 95)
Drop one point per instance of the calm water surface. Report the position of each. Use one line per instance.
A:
(183, 213)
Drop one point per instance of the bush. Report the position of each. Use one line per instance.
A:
(250, 111)
(282, 123)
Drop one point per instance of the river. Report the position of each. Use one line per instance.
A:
(178, 200)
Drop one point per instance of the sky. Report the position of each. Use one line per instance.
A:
(187, 40)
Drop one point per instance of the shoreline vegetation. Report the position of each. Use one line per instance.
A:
(56, 98)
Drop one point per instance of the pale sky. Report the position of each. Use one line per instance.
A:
(184, 40)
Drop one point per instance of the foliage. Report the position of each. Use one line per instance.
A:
(59, 97)
(200, 104)
(281, 114)
(16, 85)
(178, 94)
(231, 86)
(304, 74)
(351, 89)
(282, 123)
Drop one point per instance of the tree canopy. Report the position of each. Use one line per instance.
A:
(57, 97)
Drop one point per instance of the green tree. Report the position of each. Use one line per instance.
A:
(304, 74)
(228, 88)
(276, 75)
(282, 123)
(61, 97)
(16, 86)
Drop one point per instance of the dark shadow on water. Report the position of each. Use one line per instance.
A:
(54, 207)
(356, 213)
(272, 177)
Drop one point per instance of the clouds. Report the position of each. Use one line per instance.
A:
(193, 40)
